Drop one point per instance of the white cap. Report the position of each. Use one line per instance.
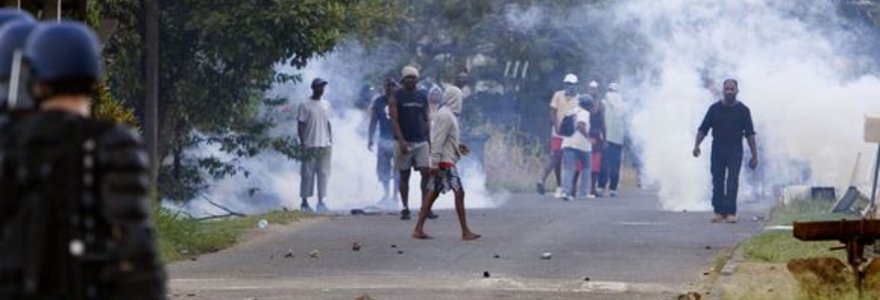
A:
(409, 71)
(612, 86)
(594, 84)
(570, 78)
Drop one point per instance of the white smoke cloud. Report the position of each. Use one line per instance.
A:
(353, 181)
(795, 74)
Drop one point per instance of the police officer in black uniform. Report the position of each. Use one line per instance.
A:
(75, 208)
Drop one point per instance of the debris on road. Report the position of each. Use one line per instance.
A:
(363, 297)
(314, 253)
(497, 256)
(400, 252)
(263, 224)
(289, 254)
(546, 255)
(194, 258)
(486, 274)
(690, 296)
(586, 278)
(393, 246)
(356, 246)
(708, 247)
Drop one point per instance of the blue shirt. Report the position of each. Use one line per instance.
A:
(412, 115)
(383, 117)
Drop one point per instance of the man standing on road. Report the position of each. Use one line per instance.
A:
(562, 102)
(379, 115)
(730, 121)
(313, 120)
(446, 150)
(615, 109)
(409, 119)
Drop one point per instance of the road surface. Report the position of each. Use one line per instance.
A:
(606, 248)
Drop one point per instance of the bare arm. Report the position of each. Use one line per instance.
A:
(301, 131)
(753, 145)
(700, 136)
(553, 120)
(373, 124)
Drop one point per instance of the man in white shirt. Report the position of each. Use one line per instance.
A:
(615, 127)
(576, 148)
(561, 103)
(313, 128)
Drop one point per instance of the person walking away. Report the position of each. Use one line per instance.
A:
(446, 150)
(598, 134)
(729, 120)
(411, 123)
(379, 117)
(576, 147)
(561, 103)
(615, 111)
(315, 134)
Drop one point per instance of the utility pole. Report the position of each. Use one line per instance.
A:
(151, 86)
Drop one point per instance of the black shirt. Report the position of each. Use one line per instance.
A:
(380, 112)
(412, 115)
(729, 124)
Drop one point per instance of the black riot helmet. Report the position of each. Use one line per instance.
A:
(65, 57)
(14, 94)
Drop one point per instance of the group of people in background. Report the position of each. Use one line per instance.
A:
(418, 129)
(586, 143)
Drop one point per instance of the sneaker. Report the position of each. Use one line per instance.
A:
(432, 215)
(730, 219)
(305, 208)
(404, 214)
(321, 208)
(600, 191)
(566, 197)
(613, 193)
(560, 192)
(717, 218)
(541, 189)
(591, 196)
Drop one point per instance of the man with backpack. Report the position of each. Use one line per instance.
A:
(75, 191)
(562, 102)
(576, 147)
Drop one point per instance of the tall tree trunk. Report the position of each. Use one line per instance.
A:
(151, 86)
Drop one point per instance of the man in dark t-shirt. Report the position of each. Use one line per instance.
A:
(408, 108)
(730, 121)
(381, 118)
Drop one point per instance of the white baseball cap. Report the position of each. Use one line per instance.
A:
(594, 84)
(613, 86)
(570, 78)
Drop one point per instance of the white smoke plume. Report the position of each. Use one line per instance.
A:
(807, 95)
(273, 181)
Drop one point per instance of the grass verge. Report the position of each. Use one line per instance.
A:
(764, 275)
(779, 246)
(181, 237)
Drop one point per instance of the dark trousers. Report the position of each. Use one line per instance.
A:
(610, 174)
(725, 180)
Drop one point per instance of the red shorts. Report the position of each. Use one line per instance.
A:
(596, 162)
(555, 143)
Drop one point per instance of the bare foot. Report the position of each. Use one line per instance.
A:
(470, 236)
(421, 236)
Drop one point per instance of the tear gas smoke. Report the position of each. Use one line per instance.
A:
(274, 182)
(798, 73)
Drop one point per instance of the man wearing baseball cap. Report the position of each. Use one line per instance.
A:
(313, 128)
(562, 102)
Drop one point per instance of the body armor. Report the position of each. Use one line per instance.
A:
(74, 214)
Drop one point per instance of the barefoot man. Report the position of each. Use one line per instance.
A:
(446, 150)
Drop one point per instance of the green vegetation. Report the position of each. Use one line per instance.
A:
(181, 237)
(781, 246)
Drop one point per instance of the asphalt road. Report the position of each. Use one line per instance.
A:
(606, 248)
